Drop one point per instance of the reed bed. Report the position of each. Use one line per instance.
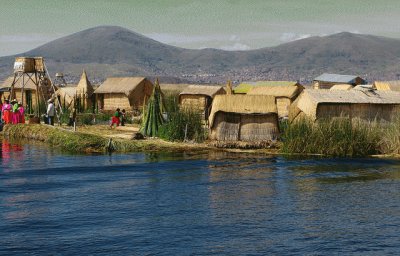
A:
(83, 142)
(64, 139)
(334, 137)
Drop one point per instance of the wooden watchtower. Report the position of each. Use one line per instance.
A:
(31, 71)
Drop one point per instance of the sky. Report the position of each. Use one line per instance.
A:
(222, 24)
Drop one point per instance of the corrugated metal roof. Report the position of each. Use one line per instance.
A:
(336, 78)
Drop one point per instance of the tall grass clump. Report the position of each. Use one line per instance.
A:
(390, 139)
(183, 125)
(332, 137)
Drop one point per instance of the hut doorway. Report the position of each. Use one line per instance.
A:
(100, 102)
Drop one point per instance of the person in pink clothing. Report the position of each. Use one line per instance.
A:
(7, 112)
(21, 111)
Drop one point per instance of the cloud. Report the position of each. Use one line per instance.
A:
(178, 39)
(235, 47)
(289, 37)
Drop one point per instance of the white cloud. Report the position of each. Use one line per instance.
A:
(178, 39)
(289, 37)
(235, 47)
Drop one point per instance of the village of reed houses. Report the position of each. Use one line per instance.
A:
(336, 115)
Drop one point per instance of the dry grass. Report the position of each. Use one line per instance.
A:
(94, 138)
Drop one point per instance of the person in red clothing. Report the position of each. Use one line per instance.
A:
(115, 118)
(7, 112)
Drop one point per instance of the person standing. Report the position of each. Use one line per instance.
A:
(123, 117)
(15, 113)
(21, 111)
(115, 118)
(50, 112)
(7, 111)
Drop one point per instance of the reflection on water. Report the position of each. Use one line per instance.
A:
(185, 203)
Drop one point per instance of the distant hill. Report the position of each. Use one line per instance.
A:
(115, 51)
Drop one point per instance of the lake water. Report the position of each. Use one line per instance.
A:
(188, 204)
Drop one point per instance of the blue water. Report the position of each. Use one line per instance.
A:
(195, 204)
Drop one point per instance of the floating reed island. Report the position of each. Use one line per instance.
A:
(336, 115)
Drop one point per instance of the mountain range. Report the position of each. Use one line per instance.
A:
(115, 51)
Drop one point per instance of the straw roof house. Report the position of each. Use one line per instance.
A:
(199, 97)
(284, 95)
(387, 85)
(245, 87)
(243, 118)
(28, 93)
(341, 87)
(326, 81)
(83, 93)
(364, 104)
(66, 96)
(127, 93)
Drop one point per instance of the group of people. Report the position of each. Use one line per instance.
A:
(118, 118)
(12, 112)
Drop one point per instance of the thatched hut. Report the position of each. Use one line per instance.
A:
(82, 93)
(199, 97)
(28, 93)
(66, 96)
(85, 94)
(245, 87)
(243, 118)
(326, 81)
(284, 96)
(129, 93)
(363, 104)
(387, 85)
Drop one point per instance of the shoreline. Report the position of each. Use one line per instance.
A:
(92, 142)
(85, 142)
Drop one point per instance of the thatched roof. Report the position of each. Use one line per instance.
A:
(242, 104)
(123, 85)
(84, 86)
(246, 86)
(29, 85)
(206, 90)
(387, 85)
(67, 90)
(341, 87)
(336, 78)
(173, 87)
(309, 100)
(276, 91)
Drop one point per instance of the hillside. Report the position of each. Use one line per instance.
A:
(115, 51)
